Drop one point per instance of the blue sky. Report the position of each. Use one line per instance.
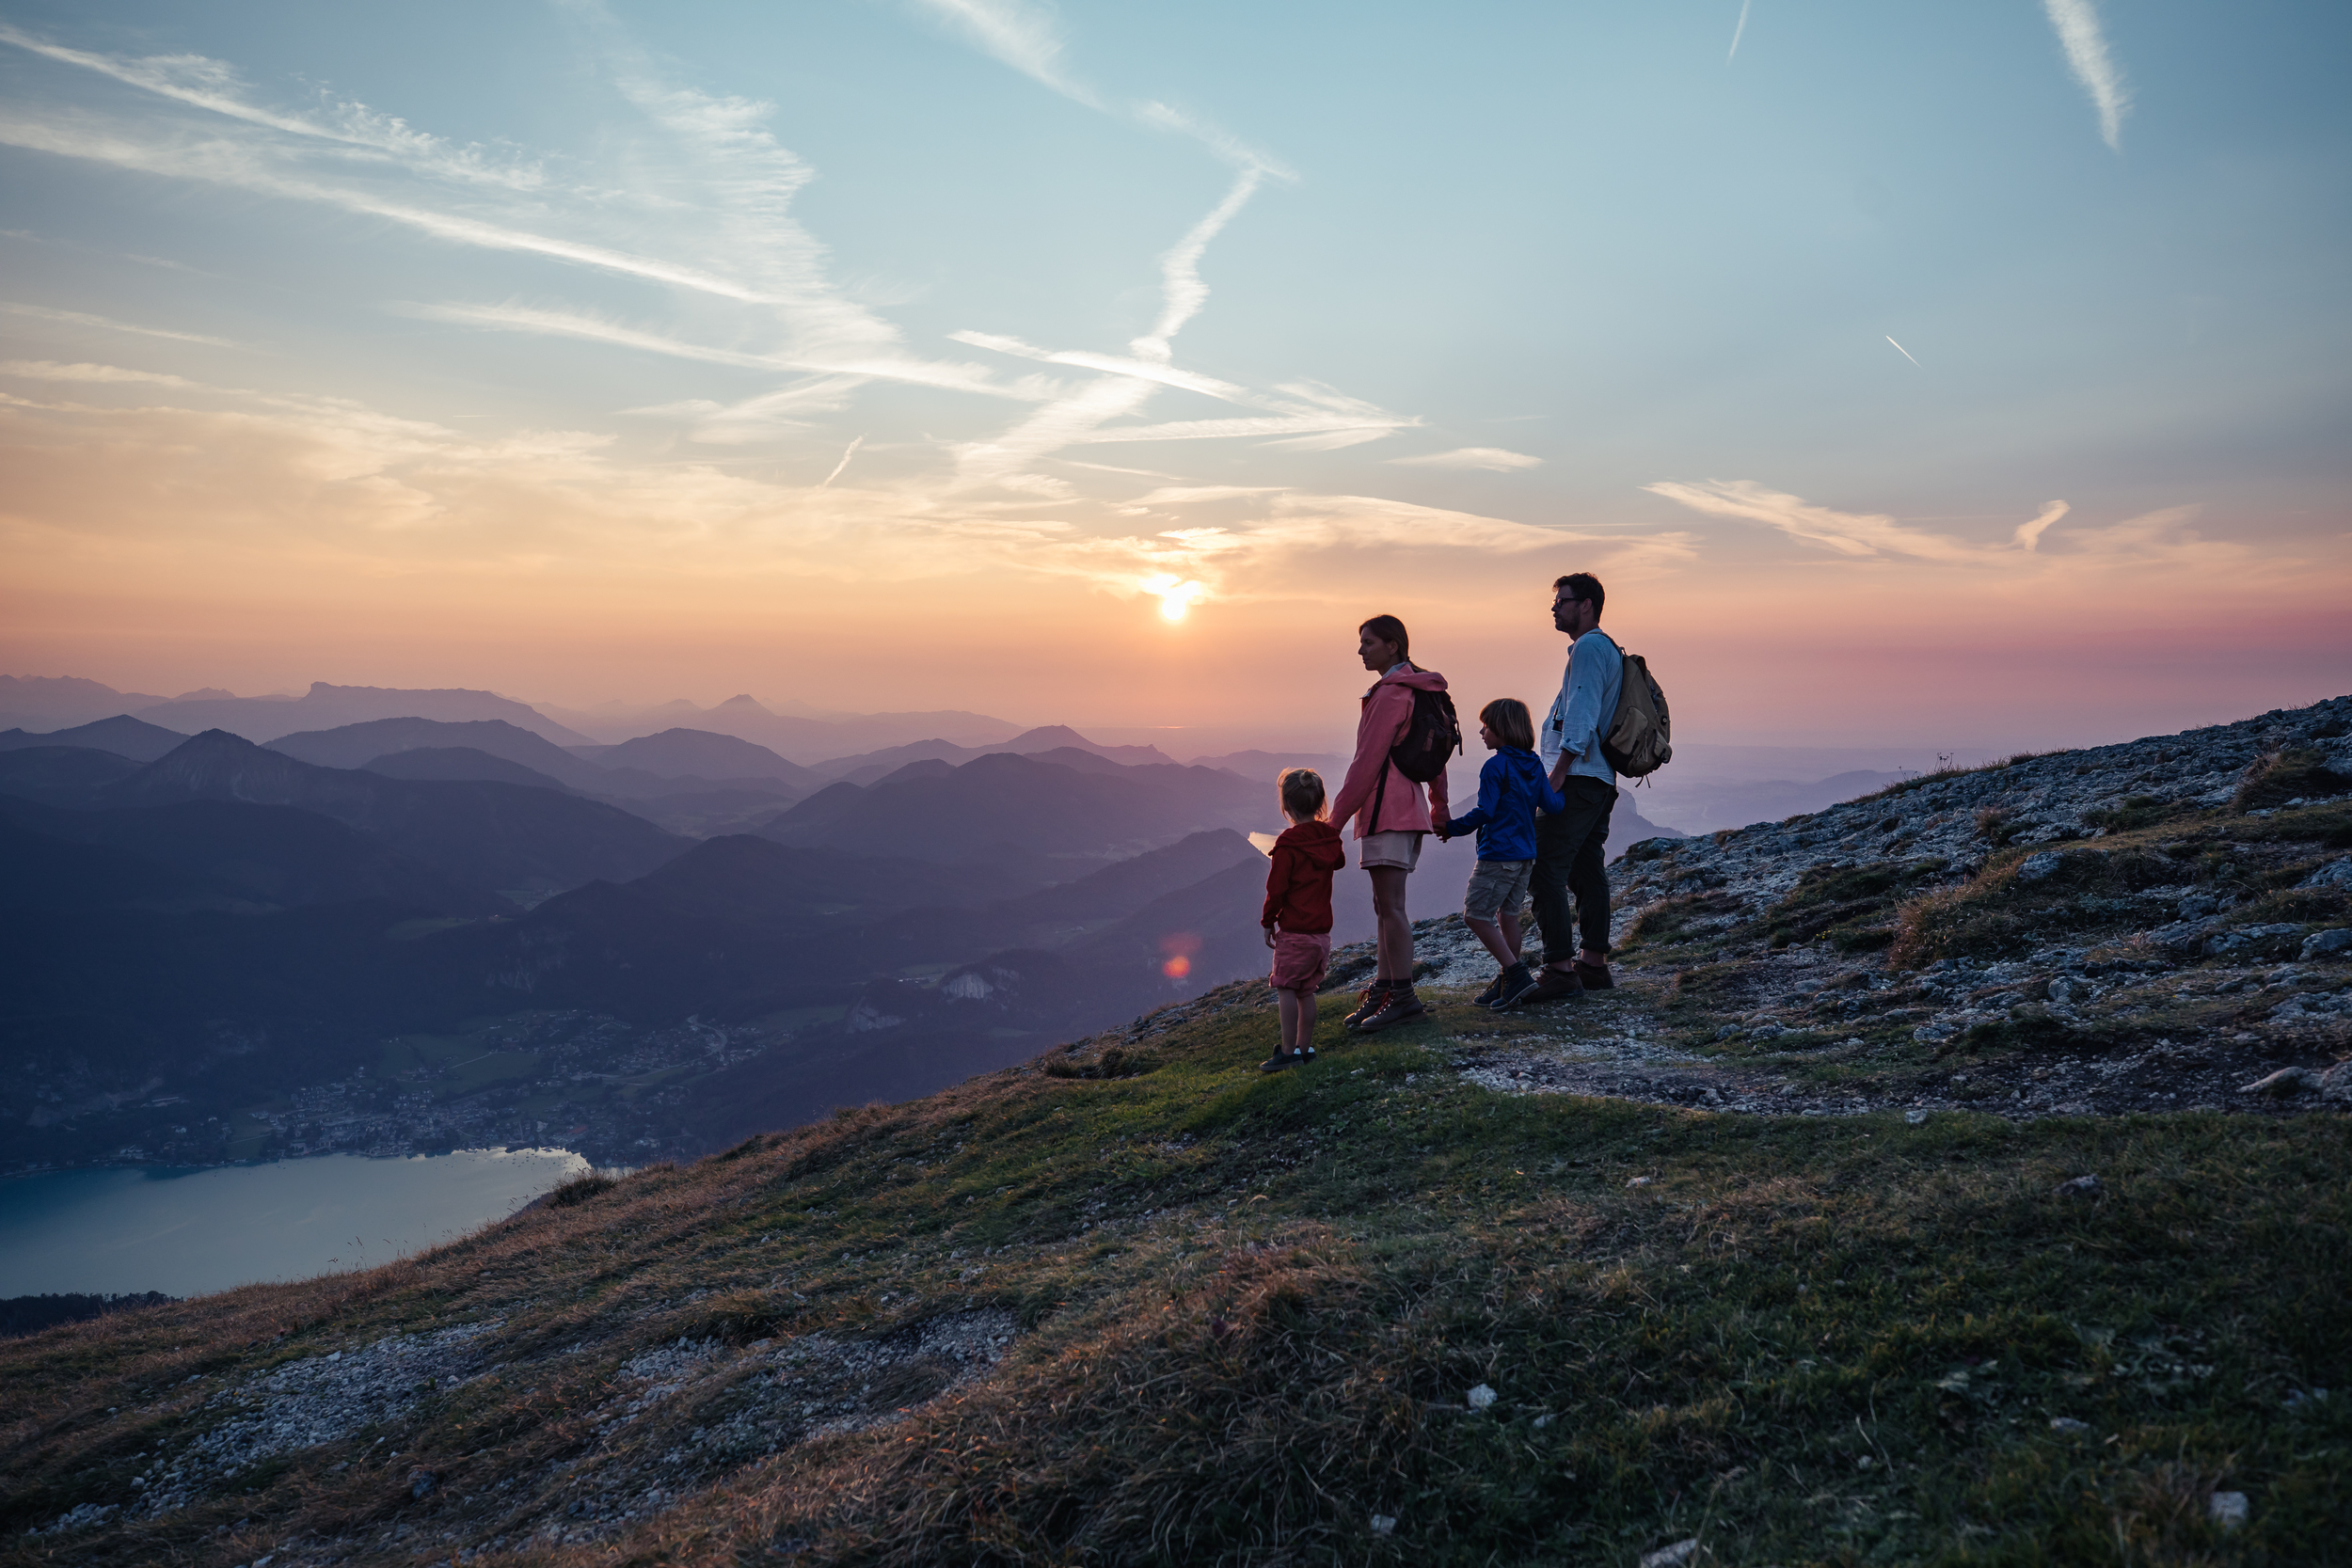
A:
(642, 330)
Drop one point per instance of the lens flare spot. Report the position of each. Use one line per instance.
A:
(1176, 951)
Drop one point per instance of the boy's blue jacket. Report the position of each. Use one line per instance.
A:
(1510, 788)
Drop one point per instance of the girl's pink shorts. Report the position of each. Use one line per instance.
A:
(1299, 959)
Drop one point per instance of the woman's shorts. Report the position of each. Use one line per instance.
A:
(1299, 959)
(1496, 886)
(1396, 846)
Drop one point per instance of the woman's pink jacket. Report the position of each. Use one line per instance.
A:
(1388, 709)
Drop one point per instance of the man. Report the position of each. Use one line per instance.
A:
(1571, 847)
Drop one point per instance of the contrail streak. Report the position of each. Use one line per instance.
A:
(1898, 349)
(1737, 31)
(844, 462)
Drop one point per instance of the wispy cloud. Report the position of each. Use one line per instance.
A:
(49, 369)
(2086, 45)
(1024, 36)
(2029, 535)
(1857, 534)
(1183, 293)
(2160, 539)
(1493, 459)
(827, 483)
(592, 328)
(213, 86)
(79, 318)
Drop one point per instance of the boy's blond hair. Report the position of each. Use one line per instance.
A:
(1511, 722)
(1302, 793)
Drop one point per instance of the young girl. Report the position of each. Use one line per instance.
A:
(1298, 914)
(1511, 787)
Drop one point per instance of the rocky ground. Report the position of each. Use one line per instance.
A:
(2149, 926)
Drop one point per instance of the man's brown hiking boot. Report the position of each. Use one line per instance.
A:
(1553, 984)
(1374, 998)
(1400, 1005)
(1596, 977)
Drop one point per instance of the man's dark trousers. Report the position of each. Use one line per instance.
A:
(1571, 859)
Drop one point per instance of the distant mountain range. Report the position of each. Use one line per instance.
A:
(205, 921)
(805, 739)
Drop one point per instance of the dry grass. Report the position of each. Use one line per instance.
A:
(1252, 1312)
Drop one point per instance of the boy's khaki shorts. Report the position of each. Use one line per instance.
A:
(1496, 886)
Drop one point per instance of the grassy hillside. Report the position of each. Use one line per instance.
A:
(1165, 1310)
(1912, 1228)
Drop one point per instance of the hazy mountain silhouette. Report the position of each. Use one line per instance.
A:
(362, 745)
(461, 762)
(677, 754)
(1050, 739)
(123, 735)
(1007, 802)
(216, 854)
(1054, 915)
(497, 836)
(48, 701)
(325, 707)
(803, 740)
(60, 775)
(357, 745)
(1266, 766)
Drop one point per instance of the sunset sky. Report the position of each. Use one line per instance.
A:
(1919, 372)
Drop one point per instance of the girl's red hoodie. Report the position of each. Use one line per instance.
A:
(1298, 883)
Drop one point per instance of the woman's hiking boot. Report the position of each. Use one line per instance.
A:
(1511, 986)
(1596, 977)
(1374, 997)
(1398, 1005)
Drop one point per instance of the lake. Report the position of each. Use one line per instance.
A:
(190, 1231)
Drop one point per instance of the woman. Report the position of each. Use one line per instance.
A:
(1390, 814)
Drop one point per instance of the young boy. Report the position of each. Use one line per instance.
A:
(1298, 914)
(1511, 789)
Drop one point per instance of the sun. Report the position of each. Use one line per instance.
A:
(1176, 597)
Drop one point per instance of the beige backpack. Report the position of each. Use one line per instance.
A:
(1640, 739)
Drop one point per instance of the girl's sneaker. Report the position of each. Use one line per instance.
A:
(1376, 996)
(1279, 1060)
(1494, 989)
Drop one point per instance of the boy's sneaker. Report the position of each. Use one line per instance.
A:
(1553, 984)
(1494, 989)
(1513, 987)
(1596, 977)
(1374, 997)
(1400, 1005)
(1279, 1060)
